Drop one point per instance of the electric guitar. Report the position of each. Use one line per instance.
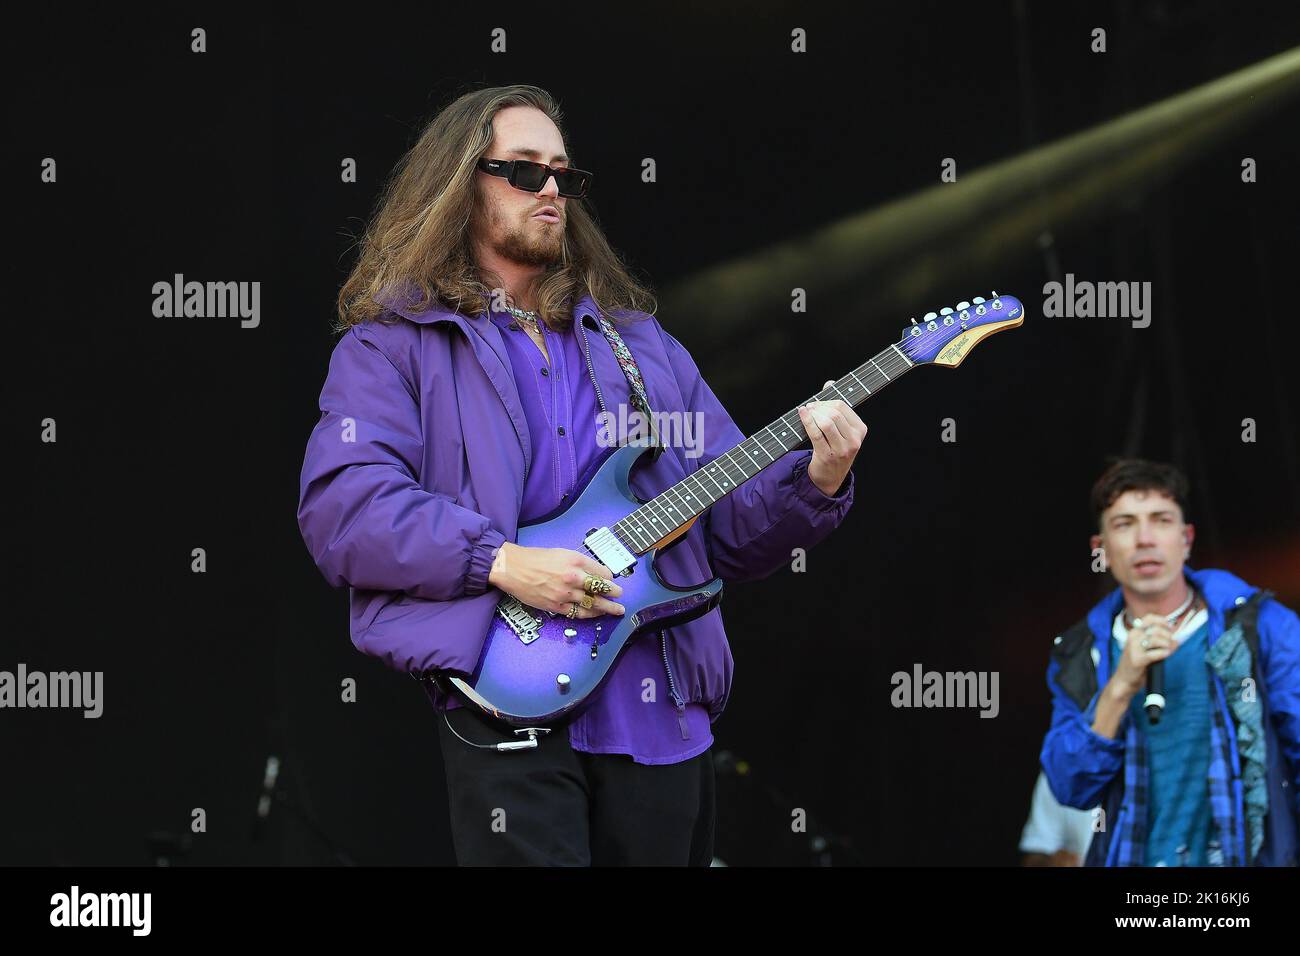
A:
(538, 667)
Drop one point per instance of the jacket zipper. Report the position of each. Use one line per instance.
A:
(586, 348)
(678, 702)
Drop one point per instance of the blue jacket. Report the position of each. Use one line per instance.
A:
(1085, 769)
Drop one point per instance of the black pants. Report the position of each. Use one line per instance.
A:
(554, 806)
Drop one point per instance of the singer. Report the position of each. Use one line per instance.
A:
(1210, 776)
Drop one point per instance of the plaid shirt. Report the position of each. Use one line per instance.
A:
(1229, 849)
(1132, 836)
(1225, 787)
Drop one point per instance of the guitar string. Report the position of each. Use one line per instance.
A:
(896, 362)
(890, 365)
(893, 369)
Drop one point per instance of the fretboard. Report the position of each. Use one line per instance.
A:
(696, 493)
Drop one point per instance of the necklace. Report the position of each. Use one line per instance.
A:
(526, 316)
(1170, 618)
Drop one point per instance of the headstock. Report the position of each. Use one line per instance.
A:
(947, 336)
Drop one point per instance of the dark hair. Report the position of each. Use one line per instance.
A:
(1137, 474)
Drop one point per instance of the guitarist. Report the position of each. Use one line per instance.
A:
(462, 401)
(1214, 779)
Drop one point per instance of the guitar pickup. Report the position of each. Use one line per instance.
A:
(609, 550)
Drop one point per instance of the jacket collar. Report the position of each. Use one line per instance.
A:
(489, 348)
(584, 310)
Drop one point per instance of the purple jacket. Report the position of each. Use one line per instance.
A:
(414, 476)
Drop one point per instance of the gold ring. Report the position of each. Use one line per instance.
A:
(594, 585)
(586, 601)
(573, 611)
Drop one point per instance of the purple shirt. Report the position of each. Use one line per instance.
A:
(561, 408)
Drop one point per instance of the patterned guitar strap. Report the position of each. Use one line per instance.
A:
(634, 380)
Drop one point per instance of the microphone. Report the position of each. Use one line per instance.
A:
(1155, 702)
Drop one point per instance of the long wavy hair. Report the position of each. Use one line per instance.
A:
(418, 241)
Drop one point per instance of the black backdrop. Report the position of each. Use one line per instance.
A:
(180, 433)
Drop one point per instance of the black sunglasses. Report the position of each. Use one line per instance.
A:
(531, 177)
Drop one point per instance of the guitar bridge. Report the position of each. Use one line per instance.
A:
(520, 617)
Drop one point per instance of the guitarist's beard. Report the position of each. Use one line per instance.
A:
(533, 244)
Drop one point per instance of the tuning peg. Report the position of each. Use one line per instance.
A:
(995, 294)
(914, 320)
(945, 311)
(931, 316)
(978, 300)
(962, 305)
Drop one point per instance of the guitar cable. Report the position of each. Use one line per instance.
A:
(505, 746)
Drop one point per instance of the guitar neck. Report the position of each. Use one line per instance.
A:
(665, 513)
